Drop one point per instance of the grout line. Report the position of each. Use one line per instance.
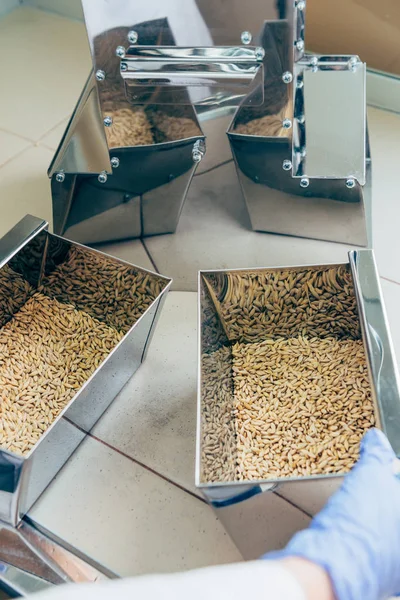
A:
(149, 256)
(21, 137)
(293, 504)
(42, 145)
(390, 280)
(137, 462)
(226, 162)
(52, 129)
(16, 155)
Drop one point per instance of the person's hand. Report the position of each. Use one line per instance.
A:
(356, 537)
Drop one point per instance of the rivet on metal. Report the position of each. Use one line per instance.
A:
(108, 121)
(287, 77)
(350, 183)
(124, 66)
(286, 123)
(246, 37)
(287, 165)
(301, 119)
(100, 75)
(353, 63)
(314, 61)
(133, 37)
(304, 182)
(300, 4)
(114, 162)
(260, 53)
(299, 84)
(120, 51)
(300, 45)
(60, 177)
(198, 151)
(102, 177)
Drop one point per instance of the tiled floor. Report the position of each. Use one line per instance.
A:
(127, 497)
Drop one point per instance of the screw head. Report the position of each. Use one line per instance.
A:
(108, 121)
(260, 53)
(300, 4)
(114, 162)
(133, 37)
(102, 177)
(350, 183)
(287, 77)
(124, 66)
(287, 165)
(300, 45)
(352, 64)
(286, 123)
(197, 156)
(100, 75)
(304, 182)
(246, 37)
(60, 177)
(120, 51)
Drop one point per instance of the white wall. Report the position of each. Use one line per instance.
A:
(68, 8)
(7, 6)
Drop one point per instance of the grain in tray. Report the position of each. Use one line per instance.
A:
(48, 350)
(296, 397)
(112, 292)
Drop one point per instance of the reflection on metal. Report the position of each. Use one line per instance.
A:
(31, 562)
(212, 71)
(83, 147)
(244, 505)
(28, 256)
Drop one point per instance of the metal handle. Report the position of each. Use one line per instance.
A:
(379, 347)
(20, 235)
(225, 68)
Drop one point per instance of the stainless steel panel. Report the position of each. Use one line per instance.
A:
(212, 71)
(29, 255)
(237, 503)
(332, 137)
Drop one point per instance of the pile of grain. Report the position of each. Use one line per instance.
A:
(289, 394)
(272, 304)
(135, 126)
(47, 352)
(130, 127)
(266, 125)
(114, 293)
(301, 406)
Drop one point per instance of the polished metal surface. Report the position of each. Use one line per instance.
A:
(213, 71)
(31, 561)
(230, 497)
(30, 254)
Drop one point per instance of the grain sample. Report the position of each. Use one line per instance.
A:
(48, 350)
(284, 381)
(112, 292)
(130, 127)
(301, 406)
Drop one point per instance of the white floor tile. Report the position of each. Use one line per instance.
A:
(385, 148)
(128, 519)
(154, 417)
(262, 524)
(10, 146)
(214, 233)
(47, 64)
(132, 251)
(53, 137)
(25, 188)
